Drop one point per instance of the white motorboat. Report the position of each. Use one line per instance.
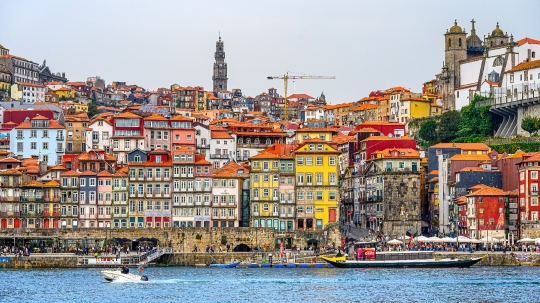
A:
(122, 274)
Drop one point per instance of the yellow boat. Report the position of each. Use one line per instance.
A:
(334, 258)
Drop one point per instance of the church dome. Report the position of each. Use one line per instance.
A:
(456, 29)
(497, 31)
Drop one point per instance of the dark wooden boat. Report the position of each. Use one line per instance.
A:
(403, 260)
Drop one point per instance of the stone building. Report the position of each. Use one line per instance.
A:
(220, 68)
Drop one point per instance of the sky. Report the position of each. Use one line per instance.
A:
(367, 45)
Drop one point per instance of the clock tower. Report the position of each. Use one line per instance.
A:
(220, 68)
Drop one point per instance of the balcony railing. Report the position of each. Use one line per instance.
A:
(219, 156)
(533, 193)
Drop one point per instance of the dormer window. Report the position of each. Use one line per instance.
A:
(158, 159)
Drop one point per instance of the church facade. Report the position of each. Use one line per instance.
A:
(478, 66)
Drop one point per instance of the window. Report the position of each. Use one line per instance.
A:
(45, 145)
(309, 209)
(309, 178)
(332, 195)
(300, 161)
(33, 145)
(255, 178)
(300, 195)
(332, 161)
(265, 207)
(318, 161)
(534, 175)
(319, 195)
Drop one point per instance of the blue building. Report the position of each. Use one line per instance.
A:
(39, 136)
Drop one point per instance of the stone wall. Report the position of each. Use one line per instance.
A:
(181, 239)
(402, 202)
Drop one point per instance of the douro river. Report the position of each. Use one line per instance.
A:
(179, 284)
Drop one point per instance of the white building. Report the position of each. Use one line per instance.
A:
(31, 92)
(99, 132)
(222, 147)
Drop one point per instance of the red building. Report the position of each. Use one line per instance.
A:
(528, 187)
(487, 212)
(376, 143)
(18, 116)
(393, 129)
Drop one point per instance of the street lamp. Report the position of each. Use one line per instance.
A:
(108, 225)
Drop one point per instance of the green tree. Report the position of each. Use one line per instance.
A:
(530, 124)
(476, 121)
(428, 132)
(448, 126)
(92, 109)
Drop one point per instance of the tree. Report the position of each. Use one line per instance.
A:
(448, 126)
(92, 109)
(530, 124)
(428, 132)
(476, 121)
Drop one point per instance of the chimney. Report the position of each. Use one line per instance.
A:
(42, 167)
(63, 74)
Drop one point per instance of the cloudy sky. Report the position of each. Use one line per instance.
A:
(367, 45)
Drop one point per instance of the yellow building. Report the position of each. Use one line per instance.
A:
(305, 133)
(419, 107)
(74, 106)
(264, 187)
(64, 93)
(5, 82)
(317, 191)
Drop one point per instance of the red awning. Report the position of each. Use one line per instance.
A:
(372, 219)
(158, 219)
(149, 219)
(166, 219)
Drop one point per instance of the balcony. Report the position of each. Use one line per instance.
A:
(533, 193)
(255, 214)
(95, 140)
(240, 158)
(56, 214)
(275, 198)
(59, 150)
(203, 146)
(286, 171)
(61, 138)
(219, 156)
(16, 213)
(46, 213)
(275, 214)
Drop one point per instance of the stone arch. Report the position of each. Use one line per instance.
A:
(241, 248)
(459, 42)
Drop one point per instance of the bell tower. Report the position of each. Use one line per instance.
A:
(220, 68)
(455, 51)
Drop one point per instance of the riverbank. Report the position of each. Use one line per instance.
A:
(201, 259)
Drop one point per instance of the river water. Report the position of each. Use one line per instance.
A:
(180, 284)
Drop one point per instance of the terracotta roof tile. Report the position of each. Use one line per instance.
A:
(71, 173)
(220, 135)
(467, 157)
(463, 146)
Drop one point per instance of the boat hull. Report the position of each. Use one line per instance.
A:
(427, 263)
(230, 265)
(116, 275)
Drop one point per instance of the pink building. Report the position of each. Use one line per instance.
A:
(183, 133)
(104, 197)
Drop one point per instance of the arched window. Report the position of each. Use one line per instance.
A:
(248, 141)
(256, 195)
(256, 141)
(459, 42)
(256, 208)
(240, 140)
(279, 141)
(268, 141)
(137, 158)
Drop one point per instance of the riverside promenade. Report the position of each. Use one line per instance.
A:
(69, 260)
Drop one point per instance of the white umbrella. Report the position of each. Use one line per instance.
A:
(489, 239)
(395, 241)
(421, 239)
(526, 240)
(448, 240)
(475, 241)
(463, 239)
(435, 239)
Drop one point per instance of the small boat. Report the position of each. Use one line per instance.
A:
(402, 260)
(226, 265)
(122, 274)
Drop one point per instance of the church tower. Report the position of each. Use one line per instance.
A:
(455, 51)
(220, 68)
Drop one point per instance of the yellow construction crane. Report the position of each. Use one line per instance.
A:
(286, 78)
